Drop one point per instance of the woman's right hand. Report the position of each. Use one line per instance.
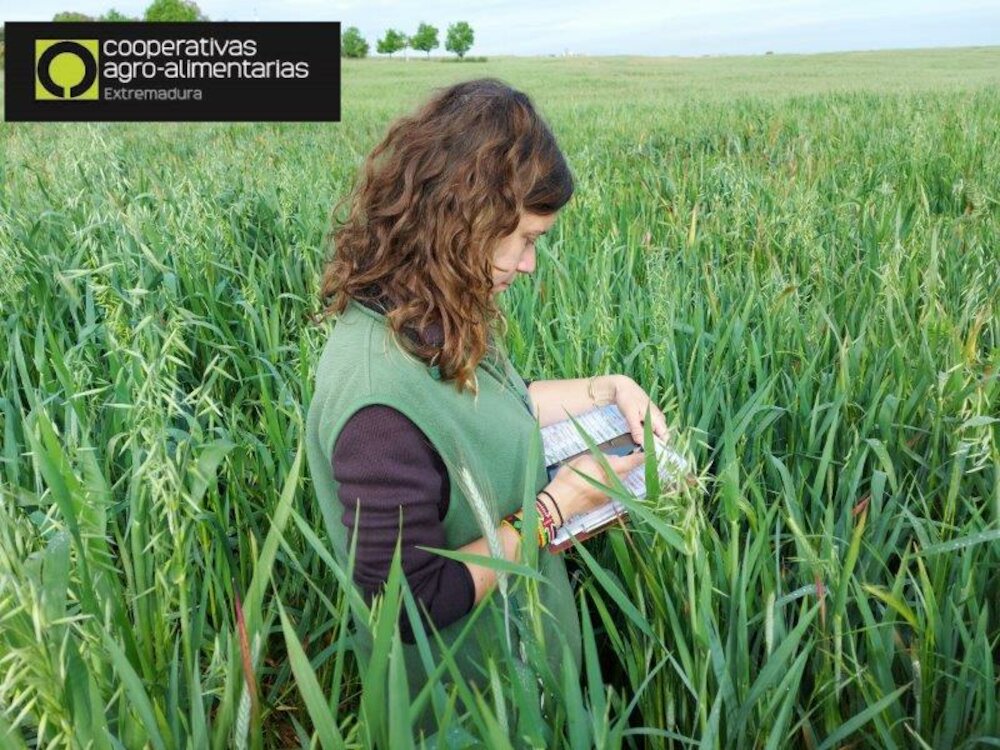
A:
(574, 494)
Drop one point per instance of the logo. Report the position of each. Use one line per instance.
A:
(233, 71)
(66, 69)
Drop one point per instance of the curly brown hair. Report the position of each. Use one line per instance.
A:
(432, 200)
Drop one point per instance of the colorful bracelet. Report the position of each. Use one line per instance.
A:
(547, 521)
(517, 523)
(548, 494)
(517, 528)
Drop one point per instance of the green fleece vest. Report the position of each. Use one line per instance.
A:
(488, 433)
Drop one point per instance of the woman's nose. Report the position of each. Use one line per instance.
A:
(527, 264)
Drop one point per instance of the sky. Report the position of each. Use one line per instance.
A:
(627, 27)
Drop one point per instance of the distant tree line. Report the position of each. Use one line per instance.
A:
(459, 39)
(158, 10)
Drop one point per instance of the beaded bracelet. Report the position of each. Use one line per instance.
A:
(517, 523)
(508, 521)
(555, 505)
(547, 521)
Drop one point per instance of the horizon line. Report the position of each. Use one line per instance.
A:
(418, 54)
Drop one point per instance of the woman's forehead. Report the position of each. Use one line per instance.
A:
(535, 222)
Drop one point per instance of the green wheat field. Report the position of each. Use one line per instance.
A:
(798, 256)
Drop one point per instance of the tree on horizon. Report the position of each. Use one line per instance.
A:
(425, 39)
(460, 38)
(116, 16)
(393, 41)
(352, 44)
(71, 16)
(174, 10)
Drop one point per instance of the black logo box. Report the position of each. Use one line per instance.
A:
(315, 98)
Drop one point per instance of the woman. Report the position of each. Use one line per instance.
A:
(414, 391)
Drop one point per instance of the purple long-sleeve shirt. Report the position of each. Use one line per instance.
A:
(383, 462)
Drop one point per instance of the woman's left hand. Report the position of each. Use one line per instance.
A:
(632, 400)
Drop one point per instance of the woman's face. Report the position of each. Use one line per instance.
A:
(516, 252)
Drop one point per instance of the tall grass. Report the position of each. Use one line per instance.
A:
(797, 256)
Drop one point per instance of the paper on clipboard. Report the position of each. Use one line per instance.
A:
(607, 427)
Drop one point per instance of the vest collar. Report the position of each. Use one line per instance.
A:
(492, 363)
(433, 334)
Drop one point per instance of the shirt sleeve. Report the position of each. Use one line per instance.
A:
(383, 462)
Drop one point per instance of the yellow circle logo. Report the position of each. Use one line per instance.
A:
(66, 69)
